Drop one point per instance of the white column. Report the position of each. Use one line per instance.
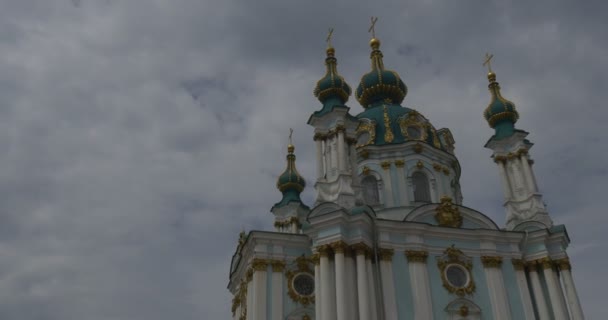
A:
(571, 295)
(250, 306)
(403, 193)
(325, 283)
(341, 151)
(351, 283)
(388, 285)
(294, 227)
(528, 172)
(555, 290)
(362, 290)
(419, 275)
(318, 295)
(539, 297)
(277, 290)
(319, 145)
(341, 294)
(524, 291)
(371, 284)
(259, 290)
(506, 186)
(332, 289)
(496, 287)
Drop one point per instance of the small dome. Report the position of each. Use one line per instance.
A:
(380, 85)
(332, 85)
(290, 180)
(500, 110)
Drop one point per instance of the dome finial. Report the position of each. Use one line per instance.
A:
(290, 147)
(374, 42)
(500, 113)
(332, 89)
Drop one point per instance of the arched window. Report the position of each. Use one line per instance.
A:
(421, 187)
(370, 190)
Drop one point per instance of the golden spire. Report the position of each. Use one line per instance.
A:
(374, 43)
(330, 49)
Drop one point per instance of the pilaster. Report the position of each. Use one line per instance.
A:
(571, 294)
(388, 284)
(421, 291)
(539, 297)
(556, 295)
(496, 287)
(524, 291)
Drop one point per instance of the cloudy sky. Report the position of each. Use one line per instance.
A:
(139, 137)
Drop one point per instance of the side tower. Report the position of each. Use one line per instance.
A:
(523, 201)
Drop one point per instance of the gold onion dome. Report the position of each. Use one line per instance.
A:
(500, 113)
(380, 84)
(332, 86)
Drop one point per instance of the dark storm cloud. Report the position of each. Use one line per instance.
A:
(138, 138)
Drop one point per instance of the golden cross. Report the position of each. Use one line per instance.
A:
(290, 133)
(328, 39)
(487, 61)
(372, 29)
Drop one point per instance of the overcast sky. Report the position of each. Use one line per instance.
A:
(138, 137)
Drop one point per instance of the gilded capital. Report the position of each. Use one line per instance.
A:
(249, 275)
(518, 264)
(491, 261)
(416, 255)
(360, 248)
(259, 264)
(339, 246)
(277, 265)
(399, 163)
(563, 264)
(386, 254)
(324, 250)
(546, 263)
(385, 165)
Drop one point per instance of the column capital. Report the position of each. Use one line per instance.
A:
(491, 261)
(416, 255)
(500, 159)
(563, 264)
(324, 250)
(249, 275)
(385, 164)
(545, 263)
(386, 254)
(399, 163)
(518, 264)
(360, 248)
(277, 265)
(316, 259)
(259, 264)
(339, 246)
(319, 136)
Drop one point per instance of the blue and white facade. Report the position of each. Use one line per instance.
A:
(388, 236)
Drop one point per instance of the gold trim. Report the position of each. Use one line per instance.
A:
(302, 268)
(563, 264)
(386, 254)
(413, 119)
(324, 250)
(360, 248)
(369, 126)
(454, 256)
(417, 148)
(518, 264)
(416, 255)
(419, 164)
(545, 263)
(447, 214)
(259, 264)
(399, 163)
(388, 131)
(365, 170)
(385, 165)
(437, 167)
(491, 261)
(316, 259)
(339, 247)
(277, 265)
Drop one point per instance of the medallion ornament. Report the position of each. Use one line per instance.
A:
(300, 282)
(455, 269)
(447, 214)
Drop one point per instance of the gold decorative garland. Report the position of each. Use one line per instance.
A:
(454, 256)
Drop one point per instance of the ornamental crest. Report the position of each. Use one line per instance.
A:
(300, 282)
(455, 269)
(447, 214)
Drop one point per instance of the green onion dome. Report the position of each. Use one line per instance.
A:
(290, 180)
(500, 113)
(332, 87)
(380, 85)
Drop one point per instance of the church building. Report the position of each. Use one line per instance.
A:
(387, 237)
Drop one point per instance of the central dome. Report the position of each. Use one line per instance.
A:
(380, 85)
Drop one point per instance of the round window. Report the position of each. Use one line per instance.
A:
(457, 276)
(304, 284)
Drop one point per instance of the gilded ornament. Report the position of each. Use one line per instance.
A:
(419, 164)
(446, 171)
(249, 275)
(319, 136)
(315, 258)
(413, 121)
(416, 255)
(339, 246)
(386, 254)
(464, 311)
(365, 170)
(563, 264)
(417, 148)
(385, 165)
(360, 248)
(302, 267)
(277, 265)
(498, 159)
(388, 132)
(447, 214)
(366, 126)
(324, 250)
(399, 163)
(491, 261)
(454, 256)
(518, 264)
(546, 263)
(306, 317)
(259, 264)
(364, 154)
(437, 166)
(531, 265)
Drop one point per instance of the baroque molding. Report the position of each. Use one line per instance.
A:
(447, 214)
(491, 261)
(386, 254)
(563, 264)
(416, 255)
(518, 264)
